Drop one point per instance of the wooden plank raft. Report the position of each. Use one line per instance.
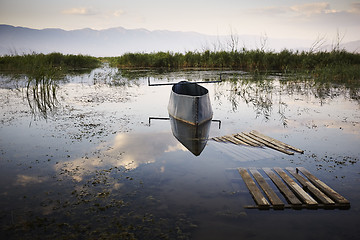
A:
(325, 188)
(313, 193)
(273, 198)
(256, 139)
(254, 190)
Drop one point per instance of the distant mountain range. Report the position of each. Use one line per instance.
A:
(117, 41)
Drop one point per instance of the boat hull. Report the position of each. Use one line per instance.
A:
(190, 103)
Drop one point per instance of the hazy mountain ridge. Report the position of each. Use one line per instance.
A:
(116, 41)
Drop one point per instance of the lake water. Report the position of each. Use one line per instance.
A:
(88, 163)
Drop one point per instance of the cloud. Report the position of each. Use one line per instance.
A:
(119, 13)
(313, 8)
(355, 7)
(24, 180)
(271, 10)
(307, 9)
(125, 152)
(80, 11)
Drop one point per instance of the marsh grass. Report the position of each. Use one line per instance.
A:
(41, 95)
(32, 63)
(43, 73)
(337, 65)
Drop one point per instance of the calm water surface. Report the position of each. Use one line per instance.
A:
(93, 166)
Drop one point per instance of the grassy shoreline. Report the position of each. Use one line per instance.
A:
(30, 63)
(336, 66)
(246, 60)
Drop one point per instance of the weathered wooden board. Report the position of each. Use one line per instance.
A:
(288, 194)
(275, 142)
(311, 188)
(306, 198)
(239, 140)
(273, 198)
(296, 196)
(254, 190)
(325, 188)
(257, 139)
(218, 139)
(231, 139)
(244, 142)
(248, 140)
(266, 143)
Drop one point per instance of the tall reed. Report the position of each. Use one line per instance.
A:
(43, 73)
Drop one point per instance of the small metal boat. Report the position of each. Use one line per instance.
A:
(190, 103)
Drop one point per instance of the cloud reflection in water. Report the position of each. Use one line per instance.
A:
(128, 150)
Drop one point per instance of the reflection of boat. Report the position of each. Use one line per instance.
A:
(190, 103)
(193, 137)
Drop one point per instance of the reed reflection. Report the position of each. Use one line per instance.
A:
(41, 95)
(268, 95)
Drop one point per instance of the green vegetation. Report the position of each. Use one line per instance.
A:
(337, 64)
(42, 75)
(37, 63)
(246, 60)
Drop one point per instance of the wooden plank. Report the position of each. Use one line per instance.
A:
(218, 139)
(232, 140)
(311, 188)
(273, 198)
(306, 198)
(248, 140)
(254, 190)
(288, 194)
(240, 140)
(223, 139)
(274, 141)
(325, 188)
(243, 140)
(242, 134)
(266, 143)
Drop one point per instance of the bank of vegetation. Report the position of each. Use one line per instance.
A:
(43, 72)
(247, 60)
(30, 63)
(338, 64)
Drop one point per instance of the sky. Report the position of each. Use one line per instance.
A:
(301, 19)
